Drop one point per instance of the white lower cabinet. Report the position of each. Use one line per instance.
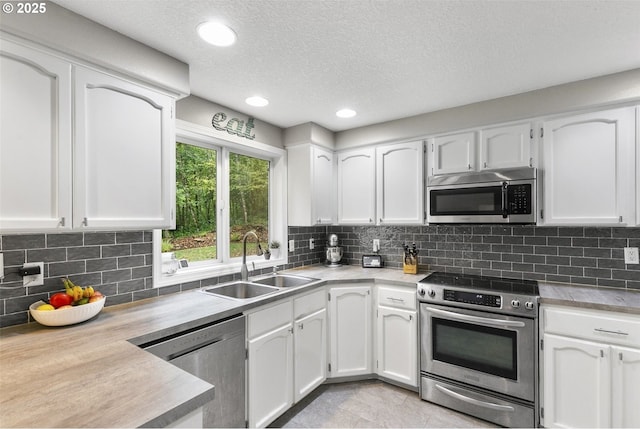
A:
(286, 345)
(310, 353)
(397, 335)
(350, 330)
(591, 377)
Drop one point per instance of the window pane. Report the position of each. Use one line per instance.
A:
(248, 201)
(194, 238)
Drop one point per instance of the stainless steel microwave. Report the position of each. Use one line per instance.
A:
(500, 196)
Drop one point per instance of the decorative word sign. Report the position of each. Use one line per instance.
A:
(234, 126)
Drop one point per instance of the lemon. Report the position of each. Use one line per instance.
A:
(45, 307)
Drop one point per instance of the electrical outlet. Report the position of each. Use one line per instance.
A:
(376, 244)
(1, 265)
(631, 255)
(292, 245)
(36, 279)
(312, 244)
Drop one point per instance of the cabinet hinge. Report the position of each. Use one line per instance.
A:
(377, 366)
(541, 344)
(542, 412)
(620, 356)
(432, 146)
(620, 219)
(246, 354)
(369, 292)
(329, 296)
(377, 313)
(601, 353)
(530, 162)
(424, 149)
(329, 367)
(425, 216)
(531, 133)
(541, 132)
(541, 213)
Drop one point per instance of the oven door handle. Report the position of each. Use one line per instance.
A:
(483, 320)
(474, 401)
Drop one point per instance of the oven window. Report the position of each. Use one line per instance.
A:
(481, 348)
(485, 200)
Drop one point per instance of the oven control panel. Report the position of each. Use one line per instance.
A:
(486, 300)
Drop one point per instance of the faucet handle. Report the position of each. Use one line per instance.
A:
(275, 269)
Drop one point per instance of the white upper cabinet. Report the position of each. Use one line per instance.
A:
(506, 147)
(588, 169)
(81, 149)
(455, 153)
(35, 140)
(311, 185)
(357, 186)
(400, 183)
(124, 137)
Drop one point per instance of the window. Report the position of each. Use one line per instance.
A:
(223, 190)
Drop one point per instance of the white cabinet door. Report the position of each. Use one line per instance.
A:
(625, 387)
(350, 330)
(506, 147)
(270, 375)
(323, 185)
(397, 345)
(454, 153)
(577, 382)
(124, 158)
(311, 185)
(400, 183)
(588, 164)
(357, 186)
(310, 353)
(35, 140)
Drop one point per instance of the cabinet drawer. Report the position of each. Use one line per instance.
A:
(309, 303)
(594, 325)
(397, 297)
(268, 319)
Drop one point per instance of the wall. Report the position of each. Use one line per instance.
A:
(199, 111)
(583, 255)
(118, 264)
(586, 94)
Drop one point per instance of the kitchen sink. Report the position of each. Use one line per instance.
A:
(241, 290)
(285, 280)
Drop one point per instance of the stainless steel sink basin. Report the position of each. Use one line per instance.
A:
(285, 280)
(241, 290)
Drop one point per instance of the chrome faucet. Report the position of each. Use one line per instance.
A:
(244, 271)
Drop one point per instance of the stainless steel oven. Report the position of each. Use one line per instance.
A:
(505, 196)
(478, 346)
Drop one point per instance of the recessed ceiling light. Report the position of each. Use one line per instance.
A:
(257, 101)
(216, 33)
(346, 113)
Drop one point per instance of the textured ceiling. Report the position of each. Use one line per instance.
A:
(387, 59)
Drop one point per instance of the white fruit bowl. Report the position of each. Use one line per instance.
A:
(66, 316)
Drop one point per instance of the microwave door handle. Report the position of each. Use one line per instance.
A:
(474, 401)
(476, 319)
(505, 205)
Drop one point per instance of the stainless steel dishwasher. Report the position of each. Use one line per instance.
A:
(216, 354)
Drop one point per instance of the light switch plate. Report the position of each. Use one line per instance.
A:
(312, 244)
(291, 245)
(1, 265)
(631, 255)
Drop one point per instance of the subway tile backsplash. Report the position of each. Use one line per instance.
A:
(119, 264)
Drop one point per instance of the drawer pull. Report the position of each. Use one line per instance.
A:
(605, 331)
(395, 299)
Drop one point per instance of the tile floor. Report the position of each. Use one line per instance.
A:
(372, 404)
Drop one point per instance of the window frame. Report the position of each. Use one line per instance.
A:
(198, 135)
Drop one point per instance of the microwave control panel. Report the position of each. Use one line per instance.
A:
(519, 198)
